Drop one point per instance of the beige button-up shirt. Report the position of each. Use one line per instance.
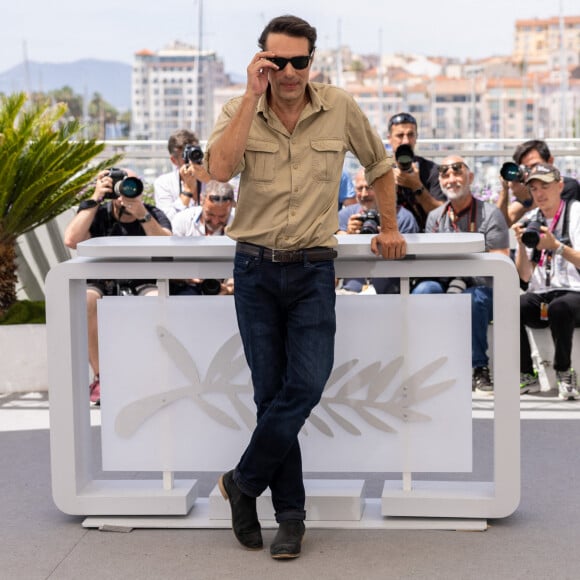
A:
(288, 194)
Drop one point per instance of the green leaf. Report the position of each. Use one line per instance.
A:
(45, 168)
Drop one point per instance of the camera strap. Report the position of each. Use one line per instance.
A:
(565, 235)
(546, 255)
(454, 218)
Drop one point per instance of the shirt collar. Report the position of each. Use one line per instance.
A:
(315, 104)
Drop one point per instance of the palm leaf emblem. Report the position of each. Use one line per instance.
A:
(371, 392)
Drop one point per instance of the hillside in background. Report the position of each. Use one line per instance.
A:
(109, 78)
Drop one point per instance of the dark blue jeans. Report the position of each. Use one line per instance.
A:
(287, 322)
(563, 318)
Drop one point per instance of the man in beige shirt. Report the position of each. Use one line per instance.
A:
(287, 139)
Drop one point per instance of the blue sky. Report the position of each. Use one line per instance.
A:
(67, 30)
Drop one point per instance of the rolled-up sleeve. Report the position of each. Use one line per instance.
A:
(366, 144)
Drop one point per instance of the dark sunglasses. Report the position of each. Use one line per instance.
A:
(220, 198)
(402, 118)
(297, 62)
(457, 168)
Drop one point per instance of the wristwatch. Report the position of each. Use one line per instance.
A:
(88, 204)
(560, 249)
(146, 218)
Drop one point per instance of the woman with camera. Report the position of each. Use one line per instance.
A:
(547, 260)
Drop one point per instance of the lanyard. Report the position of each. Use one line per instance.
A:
(546, 255)
(453, 218)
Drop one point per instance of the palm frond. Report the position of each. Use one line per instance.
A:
(45, 164)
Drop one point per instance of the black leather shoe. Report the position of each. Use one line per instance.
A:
(288, 540)
(245, 521)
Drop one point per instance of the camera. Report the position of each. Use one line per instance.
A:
(210, 287)
(370, 222)
(531, 234)
(193, 154)
(123, 184)
(404, 156)
(511, 171)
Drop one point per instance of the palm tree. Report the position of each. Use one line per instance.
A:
(44, 169)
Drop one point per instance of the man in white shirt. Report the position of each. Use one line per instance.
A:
(547, 260)
(211, 217)
(208, 219)
(182, 186)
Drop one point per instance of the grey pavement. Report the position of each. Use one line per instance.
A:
(539, 541)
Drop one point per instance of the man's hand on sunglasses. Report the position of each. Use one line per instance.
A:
(258, 72)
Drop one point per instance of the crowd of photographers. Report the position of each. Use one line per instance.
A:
(535, 201)
(541, 208)
(187, 203)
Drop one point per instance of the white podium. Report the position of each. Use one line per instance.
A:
(398, 410)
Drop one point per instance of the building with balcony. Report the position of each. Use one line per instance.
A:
(551, 41)
(173, 89)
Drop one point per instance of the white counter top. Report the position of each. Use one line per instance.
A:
(222, 247)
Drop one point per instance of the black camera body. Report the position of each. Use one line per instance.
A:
(193, 154)
(371, 221)
(532, 231)
(511, 171)
(404, 156)
(123, 184)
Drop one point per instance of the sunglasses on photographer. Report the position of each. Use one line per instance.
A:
(297, 62)
(402, 118)
(457, 168)
(220, 198)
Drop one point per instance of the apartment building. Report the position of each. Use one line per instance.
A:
(533, 92)
(172, 89)
(550, 41)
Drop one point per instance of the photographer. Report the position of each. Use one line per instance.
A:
(363, 218)
(181, 187)
(116, 208)
(418, 188)
(513, 177)
(547, 259)
(209, 219)
(464, 213)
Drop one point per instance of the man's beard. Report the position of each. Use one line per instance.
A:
(453, 194)
(213, 229)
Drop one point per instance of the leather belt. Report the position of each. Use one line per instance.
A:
(319, 254)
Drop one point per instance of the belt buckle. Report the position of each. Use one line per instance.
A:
(278, 256)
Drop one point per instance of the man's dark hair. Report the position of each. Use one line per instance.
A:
(291, 26)
(179, 139)
(533, 145)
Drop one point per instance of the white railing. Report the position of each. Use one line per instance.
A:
(477, 148)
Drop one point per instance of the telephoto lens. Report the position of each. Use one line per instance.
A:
(210, 287)
(129, 187)
(511, 171)
(370, 222)
(404, 157)
(531, 235)
(193, 154)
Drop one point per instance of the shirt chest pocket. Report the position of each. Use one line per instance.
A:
(327, 159)
(261, 159)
